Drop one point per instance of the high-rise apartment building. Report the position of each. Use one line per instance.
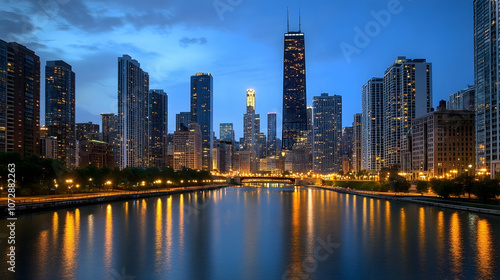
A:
(464, 99)
(110, 134)
(372, 147)
(60, 109)
(202, 113)
(294, 90)
(347, 149)
(486, 61)
(407, 95)
(188, 148)
(158, 127)
(133, 89)
(327, 154)
(357, 154)
(19, 99)
(87, 131)
(183, 119)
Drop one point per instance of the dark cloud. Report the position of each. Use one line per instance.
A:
(186, 42)
(13, 24)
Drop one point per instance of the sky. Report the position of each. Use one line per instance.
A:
(240, 42)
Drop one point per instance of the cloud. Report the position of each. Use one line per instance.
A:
(185, 42)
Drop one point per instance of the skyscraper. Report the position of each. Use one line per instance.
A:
(294, 89)
(202, 113)
(357, 154)
(226, 132)
(187, 148)
(373, 124)
(60, 109)
(183, 119)
(347, 149)
(486, 61)
(87, 131)
(327, 155)
(158, 127)
(133, 88)
(272, 147)
(110, 134)
(19, 99)
(251, 131)
(407, 95)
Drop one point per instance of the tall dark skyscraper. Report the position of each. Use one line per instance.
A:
(202, 113)
(133, 88)
(60, 109)
(110, 134)
(182, 121)
(294, 89)
(19, 99)
(271, 135)
(226, 132)
(158, 127)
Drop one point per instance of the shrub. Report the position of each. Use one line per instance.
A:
(422, 186)
(487, 189)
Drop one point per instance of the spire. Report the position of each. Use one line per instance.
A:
(287, 21)
(300, 26)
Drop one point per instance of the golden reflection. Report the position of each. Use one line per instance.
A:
(421, 232)
(181, 221)
(55, 228)
(456, 244)
(42, 249)
(169, 233)
(485, 255)
(402, 231)
(158, 233)
(108, 237)
(372, 215)
(387, 224)
(295, 246)
(365, 215)
(440, 234)
(69, 247)
(90, 231)
(310, 221)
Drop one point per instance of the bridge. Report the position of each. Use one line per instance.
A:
(273, 179)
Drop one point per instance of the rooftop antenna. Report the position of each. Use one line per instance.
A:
(287, 21)
(300, 25)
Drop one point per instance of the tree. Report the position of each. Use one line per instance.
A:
(422, 187)
(486, 189)
(445, 188)
(466, 182)
(398, 184)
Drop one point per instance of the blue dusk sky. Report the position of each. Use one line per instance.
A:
(241, 43)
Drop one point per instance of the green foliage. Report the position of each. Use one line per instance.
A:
(398, 184)
(358, 185)
(446, 188)
(422, 186)
(466, 182)
(486, 189)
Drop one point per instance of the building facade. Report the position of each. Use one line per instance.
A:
(158, 127)
(327, 155)
(87, 131)
(188, 148)
(372, 120)
(60, 109)
(133, 131)
(444, 144)
(202, 113)
(110, 134)
(19, 99)
(347, 149)
(272, 136)
(95, 152)
(407, 95)
(464, 99)
(226, 132)
(183, 119)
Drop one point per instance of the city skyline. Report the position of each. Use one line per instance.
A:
(324, 56)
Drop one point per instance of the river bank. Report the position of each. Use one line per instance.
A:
(40, 204)
(411, 199)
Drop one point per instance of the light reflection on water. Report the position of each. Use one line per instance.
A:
(264, 232)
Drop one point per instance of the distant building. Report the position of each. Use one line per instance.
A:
(272, 147)
(188, 148)
(347, 149)
(443, 143)
(464, 99)
(372, 147)
(158, 127)
(225, 153)
(19, 99)
(48, 147)
(87, 131)
(407, 95)
(95, 152)
(327, 135)
(202, 113)
(133, 131)
(357, 155)
(226, 132)
(110, 134)
(183, 119)
(60, 109)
